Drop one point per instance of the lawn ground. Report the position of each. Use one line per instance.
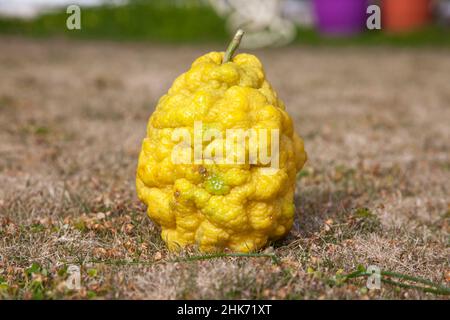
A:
(375, 190)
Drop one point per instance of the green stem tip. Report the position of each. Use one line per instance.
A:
(232, 47)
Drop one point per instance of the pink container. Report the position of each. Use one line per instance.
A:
(340, 17)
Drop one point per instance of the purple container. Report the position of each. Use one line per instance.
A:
(340, 17)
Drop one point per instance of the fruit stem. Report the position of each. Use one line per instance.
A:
(234, 44)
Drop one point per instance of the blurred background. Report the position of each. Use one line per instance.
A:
(267, 22)
(373, 107)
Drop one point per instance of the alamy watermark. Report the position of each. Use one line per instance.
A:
(73, 21)
(373, 22)
(262, 18)
(374, 280)
(206, 145)
(73, 281)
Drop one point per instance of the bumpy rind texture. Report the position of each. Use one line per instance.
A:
(212, 206)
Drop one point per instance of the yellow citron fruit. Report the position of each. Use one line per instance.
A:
(217, 206)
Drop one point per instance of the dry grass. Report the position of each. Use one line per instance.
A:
(375, 190)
